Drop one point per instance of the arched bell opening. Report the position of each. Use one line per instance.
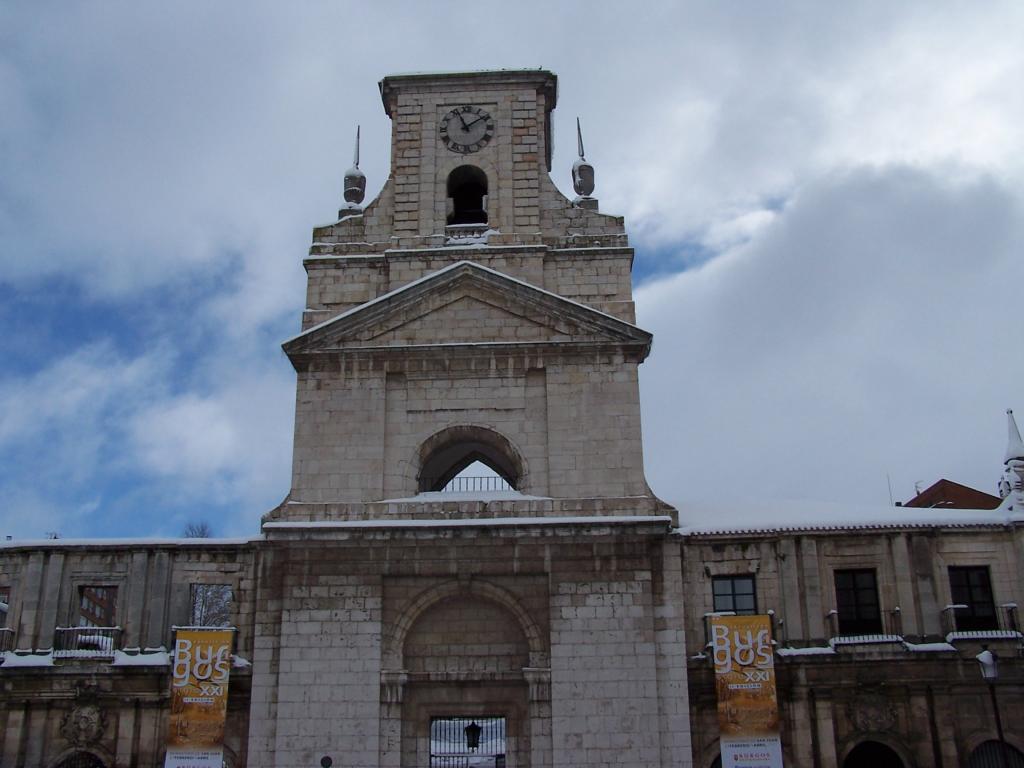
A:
(445, 455)
(467, 195)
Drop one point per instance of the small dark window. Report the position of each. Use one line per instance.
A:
(97, 606)
(734, 593)
(857, 602)
(971, 586)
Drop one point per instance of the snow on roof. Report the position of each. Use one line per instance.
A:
(438, 273)
(473, 522)
(127, 542)
(696, 518)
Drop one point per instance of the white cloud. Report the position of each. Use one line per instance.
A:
(155, 150)
(867, 330)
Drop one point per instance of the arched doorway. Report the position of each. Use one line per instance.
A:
(81, 760)
(872, 754)
(986, 755)
(464, 658)
(467, 195)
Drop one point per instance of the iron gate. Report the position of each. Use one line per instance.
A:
(467, 742)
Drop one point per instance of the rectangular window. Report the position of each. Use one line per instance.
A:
(734, 593)
(97, 606)
(211, 605)
(971, 586)
(5, 595)
(857, 602)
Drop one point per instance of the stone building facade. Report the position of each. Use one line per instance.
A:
(471, 313)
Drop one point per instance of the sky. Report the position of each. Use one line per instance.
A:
(826, 201)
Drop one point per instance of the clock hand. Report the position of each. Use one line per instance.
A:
(470, 125)
(463, 121)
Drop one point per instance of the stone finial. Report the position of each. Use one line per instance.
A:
(355, 182)
(1014, 445)
(1011, 486)
(582, 175)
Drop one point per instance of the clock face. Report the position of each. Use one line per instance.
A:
(466, 129)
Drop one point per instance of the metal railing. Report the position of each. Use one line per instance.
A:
(890, 627)
(85, 642)
(6, 640)
(1004, 623)
(472, 484)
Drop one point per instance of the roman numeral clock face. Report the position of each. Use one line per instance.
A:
(466, 129)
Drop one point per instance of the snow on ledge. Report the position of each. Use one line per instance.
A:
(128, 542)
(147, 658)
(929, 647)
(703, 518)
(812, 651)
(28, 660)
(473, 522)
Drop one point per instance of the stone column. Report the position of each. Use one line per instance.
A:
(133, 614)
(392, 686)
(539, 680)
(670, 658)
(826, 732)
(910, 611)
(17, 715)
(31, 588)
(48, 617)
(157, 625)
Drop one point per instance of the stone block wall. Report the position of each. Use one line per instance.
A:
(576, 424)
(598, 278)
(606, 708)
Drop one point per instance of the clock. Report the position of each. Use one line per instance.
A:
(466, 129)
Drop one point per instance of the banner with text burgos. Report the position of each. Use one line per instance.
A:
(199, 698)
(748, 708)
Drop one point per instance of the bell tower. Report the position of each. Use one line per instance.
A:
(471, 304)
(470, 312)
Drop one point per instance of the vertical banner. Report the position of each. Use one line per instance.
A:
(748, 708)
(199, 698)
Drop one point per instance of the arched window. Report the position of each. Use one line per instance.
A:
(447, 453)
(467, 196)
(81, 760)
(872, 754)
(986, 755)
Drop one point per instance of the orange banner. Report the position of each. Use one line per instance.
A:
(748, 708)
(199, 698)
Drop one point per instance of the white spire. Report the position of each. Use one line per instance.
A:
(355, 155)
(1014, 445)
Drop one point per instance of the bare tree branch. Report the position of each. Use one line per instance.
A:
(198, 529)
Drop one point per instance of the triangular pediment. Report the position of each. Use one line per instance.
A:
(465, 304)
